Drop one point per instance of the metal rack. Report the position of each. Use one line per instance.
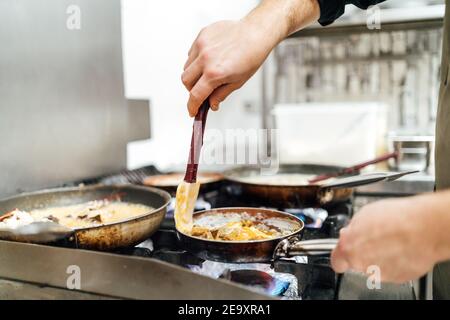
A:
(397, 64)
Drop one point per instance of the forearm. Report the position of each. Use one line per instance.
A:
(434, 211)
(277, 19)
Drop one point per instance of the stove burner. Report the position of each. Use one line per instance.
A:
(312, 217)
(296, 278)
(258, 276)
(259, 280)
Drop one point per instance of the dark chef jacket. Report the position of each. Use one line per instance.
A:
(330, 10)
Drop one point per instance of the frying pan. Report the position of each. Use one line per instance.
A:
(104, 237)
(306, 195)
(257, 250)
(169, 182)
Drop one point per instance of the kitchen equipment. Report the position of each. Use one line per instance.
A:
(108, 236)
(415, 152)
(57, 130)
(354, 168)
(256, 250)
(36, 232)
(328, 133)
(187, 191)
(304, 195)
(163, 265)
(169, 182)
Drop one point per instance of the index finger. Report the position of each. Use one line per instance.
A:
(199, 93)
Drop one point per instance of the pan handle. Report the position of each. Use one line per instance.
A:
(365, 179)
(293, 247)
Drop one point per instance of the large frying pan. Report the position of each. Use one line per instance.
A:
(258, 250)
(108, 236)
(303, 195)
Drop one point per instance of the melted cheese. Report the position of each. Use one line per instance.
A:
(186, 197)
(88, 214)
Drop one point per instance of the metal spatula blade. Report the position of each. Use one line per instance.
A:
(36, 232)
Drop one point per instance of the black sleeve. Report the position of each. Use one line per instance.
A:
(330, 10)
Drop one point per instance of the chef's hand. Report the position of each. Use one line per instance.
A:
(227, 53)
(223, 57)
(403, 237)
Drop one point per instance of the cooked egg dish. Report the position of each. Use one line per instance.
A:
(84, 215)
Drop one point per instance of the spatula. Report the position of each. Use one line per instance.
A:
(187, 191)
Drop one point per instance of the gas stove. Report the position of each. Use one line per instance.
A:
(299, 278)
(159, 269)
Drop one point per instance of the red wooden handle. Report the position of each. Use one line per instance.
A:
(198, 130)
(354, 168)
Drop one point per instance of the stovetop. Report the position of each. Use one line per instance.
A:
(299, 278)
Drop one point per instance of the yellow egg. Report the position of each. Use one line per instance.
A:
(186, 197)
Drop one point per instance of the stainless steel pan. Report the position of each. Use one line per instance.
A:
(105, 237)
(258, 250)
(305, 195)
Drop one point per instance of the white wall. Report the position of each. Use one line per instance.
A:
(156, 38)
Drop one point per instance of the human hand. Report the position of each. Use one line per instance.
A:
(222, 58)
(398, 236)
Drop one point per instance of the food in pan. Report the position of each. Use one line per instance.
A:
(174, 179)
(281, 179)
(84, 215)
(240, 227)
(186, 197)
(15, 219)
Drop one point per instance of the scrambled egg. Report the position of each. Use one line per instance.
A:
(244, 230)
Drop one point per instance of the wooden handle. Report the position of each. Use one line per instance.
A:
(198, 131)
(354, 168)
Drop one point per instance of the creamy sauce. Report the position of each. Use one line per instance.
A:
(282, 179)
(91, 214)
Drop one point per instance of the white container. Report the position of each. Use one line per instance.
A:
(329, 133)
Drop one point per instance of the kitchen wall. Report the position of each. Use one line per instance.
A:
(400, 70)
(156, 38)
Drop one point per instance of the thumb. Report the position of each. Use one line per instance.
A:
(338, 261)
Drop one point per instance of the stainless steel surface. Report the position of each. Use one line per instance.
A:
(111, 275)
(365, 179)
(17, 290)
(36, 232)
(62, 105)
(414, 152)
(406, 186)
(138, 119)
(294, 247)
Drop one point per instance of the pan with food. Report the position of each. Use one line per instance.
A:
(93, 217)
(244, 235)
(290, 186)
